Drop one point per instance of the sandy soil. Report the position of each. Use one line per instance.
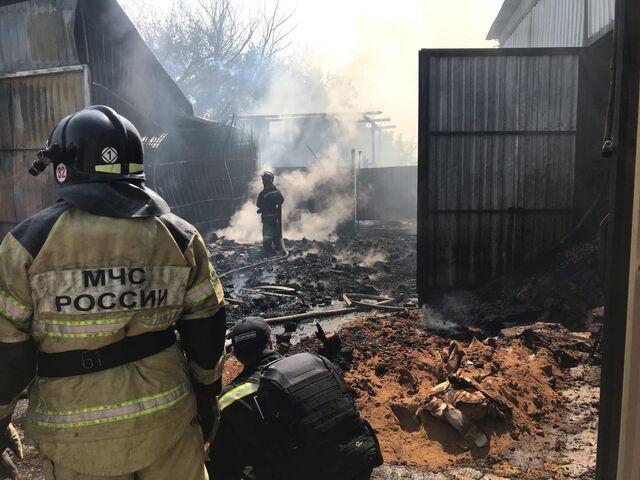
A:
(544, 374)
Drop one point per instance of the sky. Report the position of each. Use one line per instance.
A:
(375, 43)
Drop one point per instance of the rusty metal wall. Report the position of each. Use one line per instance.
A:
(31, 107)
(122, 65)
(388, 193)
(37, 34)
(496, 160)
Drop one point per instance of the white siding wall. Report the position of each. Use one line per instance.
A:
(601, 16)
(520, 36)
(560, 23)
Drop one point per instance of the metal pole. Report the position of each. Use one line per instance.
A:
(359, 168)
(619, 245)
(355, 190)
(373, 144)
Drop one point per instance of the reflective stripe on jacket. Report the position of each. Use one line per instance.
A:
(236, 393)
(241, 438)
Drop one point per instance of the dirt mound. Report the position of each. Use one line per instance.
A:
(393, 363)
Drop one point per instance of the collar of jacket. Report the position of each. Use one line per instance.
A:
(252, 368)
(115, 199)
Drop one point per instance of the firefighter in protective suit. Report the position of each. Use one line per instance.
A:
(91, 292)
(269, 205)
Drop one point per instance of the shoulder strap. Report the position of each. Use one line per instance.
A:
(33, 232)
(264, 367)
(181, 230)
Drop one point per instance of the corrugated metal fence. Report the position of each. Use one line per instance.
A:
(387, 193)
(31, 106)
(202, 172)
(496, 160)
(37, 34)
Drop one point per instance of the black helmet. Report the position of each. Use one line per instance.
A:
(267, 177)
(249, 338)
(93, 145)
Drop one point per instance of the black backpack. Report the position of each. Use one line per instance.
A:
(312, 422)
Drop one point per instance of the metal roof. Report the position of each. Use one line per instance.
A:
(551, 23)
(507, 15)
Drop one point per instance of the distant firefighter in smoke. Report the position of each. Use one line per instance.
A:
(269, 204)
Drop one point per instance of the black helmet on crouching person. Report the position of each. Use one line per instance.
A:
(93, 145)
(97, 158)
(250, 338)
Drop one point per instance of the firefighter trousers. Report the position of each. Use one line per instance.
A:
(184, 461)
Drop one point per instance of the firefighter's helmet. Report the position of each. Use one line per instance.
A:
(267, 177)
(93, 145)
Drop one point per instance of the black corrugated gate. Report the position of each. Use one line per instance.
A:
(497, 143)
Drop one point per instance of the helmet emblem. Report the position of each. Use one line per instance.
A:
(61, 172)
(109, 154)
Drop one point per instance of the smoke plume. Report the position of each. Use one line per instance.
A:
(326, 184)
(435, 320)
(363, 259)
(319, 198)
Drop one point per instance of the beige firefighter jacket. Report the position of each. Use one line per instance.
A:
(71, 280)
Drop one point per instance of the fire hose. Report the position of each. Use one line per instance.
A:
(268, 260)
(354, 304)
(254, 265)
(352, 300)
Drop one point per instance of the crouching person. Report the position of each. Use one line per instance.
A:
(288, 418)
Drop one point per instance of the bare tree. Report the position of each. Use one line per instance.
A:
(217, 53)
(274, 31)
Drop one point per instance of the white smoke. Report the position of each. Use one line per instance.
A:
(326, 183)
(435, 320)
(371, 258)
(290, 92)
(363, 259)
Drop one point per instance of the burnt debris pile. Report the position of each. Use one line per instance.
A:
(564, 288)
(316, 274)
